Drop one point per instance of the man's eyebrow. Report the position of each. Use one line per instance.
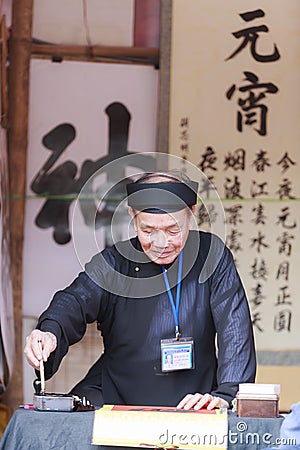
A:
(145, 225)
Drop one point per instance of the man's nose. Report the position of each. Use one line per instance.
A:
(158, 239)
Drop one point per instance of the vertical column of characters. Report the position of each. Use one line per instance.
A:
(287, 225)
(251, 95)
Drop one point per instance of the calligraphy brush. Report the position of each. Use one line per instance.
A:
(42, 371)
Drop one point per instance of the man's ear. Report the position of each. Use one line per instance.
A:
(132, 213)
(192, 214)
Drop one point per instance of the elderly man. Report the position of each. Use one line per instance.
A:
(168, 291)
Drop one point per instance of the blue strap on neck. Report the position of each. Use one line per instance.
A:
(175, 306)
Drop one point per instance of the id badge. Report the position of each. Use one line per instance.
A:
(177, 354)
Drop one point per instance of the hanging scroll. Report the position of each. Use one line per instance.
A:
(82, 117)
(234, 112)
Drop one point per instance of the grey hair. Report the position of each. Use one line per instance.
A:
(173, 175)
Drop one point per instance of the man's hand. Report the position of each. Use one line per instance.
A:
(36, 341)
(198, 401)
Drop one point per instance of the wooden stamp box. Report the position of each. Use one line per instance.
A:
(258, 400)
(257, 406)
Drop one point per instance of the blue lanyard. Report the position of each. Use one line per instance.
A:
(175, 306)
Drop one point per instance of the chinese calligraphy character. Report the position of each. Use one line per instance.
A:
(285, 162)
(259, 270)
(258, 189)
(285, 244)
(261, 161)
(184, 136)
(234, 215)
(184, 122)
(259, 242)
(258, 295)
(283, 217)
(184, 141)
(282, 320)
(206, 186)
(232, 240)
(207, 214)
(251, 105)
(251, 35)
(232, 188)
(283, 270)
(62, 187)
(184, 148)
(208, 160)
(260, 218)
(256, 318)
(235, 160)
(59, 184)
(285, 189)
(282, 296)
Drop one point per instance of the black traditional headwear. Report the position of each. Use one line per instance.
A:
(163, 197)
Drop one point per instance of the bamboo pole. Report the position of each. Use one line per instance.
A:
(18, 99)
(164, 79)
(80, 52)
(95, 50)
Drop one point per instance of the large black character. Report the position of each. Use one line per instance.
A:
(61, 186)
(250, 103)
(56, 185)
(250, 36)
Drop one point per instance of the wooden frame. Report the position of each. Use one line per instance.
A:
(4, 100)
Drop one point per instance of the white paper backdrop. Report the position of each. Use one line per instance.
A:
(76, 94)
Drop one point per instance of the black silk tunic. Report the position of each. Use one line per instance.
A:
(127, 297)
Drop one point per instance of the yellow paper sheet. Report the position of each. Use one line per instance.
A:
(137, 426)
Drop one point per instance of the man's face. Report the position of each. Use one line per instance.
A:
(162, 236)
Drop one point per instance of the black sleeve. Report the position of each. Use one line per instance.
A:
(84, 301)
(235, 342)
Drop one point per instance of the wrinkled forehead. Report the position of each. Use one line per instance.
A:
(161, 221)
